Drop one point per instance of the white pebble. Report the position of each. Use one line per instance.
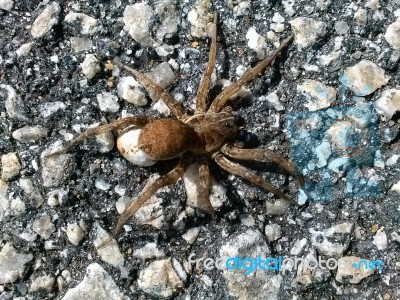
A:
(75, 233)
(108, 102)
(45, 21)
(87, 24)
(380, 239)
(388, 103)
(10, 166)
(90, 66)
(29, 134)
(131, 90)
(307, 31)
(137, 19)
(364, 78)
(6, 4)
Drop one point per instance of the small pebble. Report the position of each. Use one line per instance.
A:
(159, 279)
(131, 90)
(29, 134)
(380, 240)
(75, 233)
(87, 25)
(273, 232)
(148, 251)
(14, 106)
(364, 78)
(24, 49)
(6, 4)
(346, 272)
(97, 284)
(10, 166)
(90, 66)
(42, 283)
(256, 42)
(45, 21)
(392, 35)
(44, 227)
(108, 102)
(319, 95)
(12, 264)
(138, 19)
(201, 19)
(307, 31)
(388, 103)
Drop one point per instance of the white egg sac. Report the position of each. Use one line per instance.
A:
(128, 145)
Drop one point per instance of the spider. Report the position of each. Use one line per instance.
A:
(144, 140)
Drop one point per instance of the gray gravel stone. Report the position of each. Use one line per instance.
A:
(137, 20)
(319, 95)
(160, 279)
(74, 233)
(347, 273)
(55, 169)
(79, 44)
(31, 191)
(110, 252)
(43, 226)
(131, 90)
(273, 232)
(10, 166)
(388, 104)
(46, 20)
(201, 19)
(264, 285)
(9, 206)
(392, 35)
(148, 251)
(307, 31)
(45, 282)
(364, 78)
(14, 106)
(256, 42)
(87, 24)
(90, 66)
(191, 180)
(108, 102)
(6, 4)
(97, 284)
(334, 241)
(29, 134)
(12, 263)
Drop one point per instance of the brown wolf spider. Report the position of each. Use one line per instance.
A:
(145, 140)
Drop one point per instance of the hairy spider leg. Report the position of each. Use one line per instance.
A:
(262, 155)
(202, 92)
(138, 121)
(245, 173)
(170, 178)
(205, 184)
(176, 109)
(220, 101)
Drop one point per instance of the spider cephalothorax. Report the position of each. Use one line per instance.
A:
(203, 135)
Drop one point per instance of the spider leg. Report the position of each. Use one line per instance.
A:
(139, 121)
(245, 173)
(176, 109)
(170, 178)
(205, 184)
(249, 75)
(262, 155)
(206, 78)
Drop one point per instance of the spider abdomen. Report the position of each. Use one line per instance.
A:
(160, 139)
